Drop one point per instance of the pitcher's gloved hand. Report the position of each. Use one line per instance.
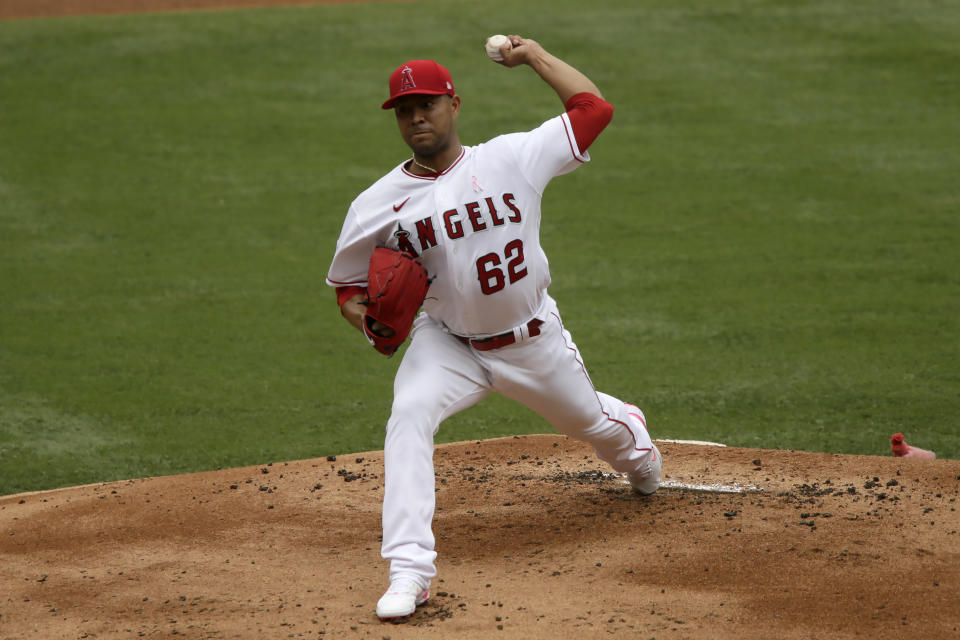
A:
(397, 284)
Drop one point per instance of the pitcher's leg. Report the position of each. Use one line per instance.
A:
(631, 426)
(408, 496)
(547, 374)
(619, 438)
(437, 378)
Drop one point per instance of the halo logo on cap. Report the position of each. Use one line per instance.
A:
(406, 80)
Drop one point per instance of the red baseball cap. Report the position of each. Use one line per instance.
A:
(419, 77)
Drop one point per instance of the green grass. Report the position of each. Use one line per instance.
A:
(763, 250)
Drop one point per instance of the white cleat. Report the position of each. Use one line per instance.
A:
(646, 480)
(401, 599)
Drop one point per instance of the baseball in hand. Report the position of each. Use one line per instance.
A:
(493, 46)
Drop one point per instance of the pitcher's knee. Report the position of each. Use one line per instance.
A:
(591, 427)
(408, 423)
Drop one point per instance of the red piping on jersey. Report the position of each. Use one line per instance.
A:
(337, 283)
(434, 176)
(570, 141)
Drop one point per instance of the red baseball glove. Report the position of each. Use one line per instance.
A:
(397, 283)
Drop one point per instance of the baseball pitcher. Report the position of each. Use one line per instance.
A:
(454, 231)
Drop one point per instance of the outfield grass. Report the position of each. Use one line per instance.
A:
(763, 250)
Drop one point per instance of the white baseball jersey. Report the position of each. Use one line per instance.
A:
(476, 227)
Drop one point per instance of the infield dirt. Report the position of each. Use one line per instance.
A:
(536, 540)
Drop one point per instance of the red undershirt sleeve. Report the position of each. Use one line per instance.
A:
(589, 115)
(345, 293)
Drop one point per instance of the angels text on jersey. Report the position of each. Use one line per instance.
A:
(494, 269)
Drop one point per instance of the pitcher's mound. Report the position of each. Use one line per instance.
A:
(537, 539)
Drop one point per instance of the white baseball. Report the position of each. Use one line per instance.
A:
(493, 46)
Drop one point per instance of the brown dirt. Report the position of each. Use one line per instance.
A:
(535, 542)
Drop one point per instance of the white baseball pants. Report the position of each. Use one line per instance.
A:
(441, 376)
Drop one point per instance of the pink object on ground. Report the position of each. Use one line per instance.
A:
(901, 449)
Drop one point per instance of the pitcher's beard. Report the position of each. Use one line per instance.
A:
(429, 149)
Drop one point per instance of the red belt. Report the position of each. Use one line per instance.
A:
(502, 340)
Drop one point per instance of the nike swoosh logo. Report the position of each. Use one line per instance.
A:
(397, 207)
